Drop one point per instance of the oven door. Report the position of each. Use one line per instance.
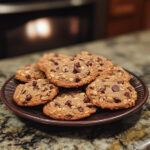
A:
(31, 31)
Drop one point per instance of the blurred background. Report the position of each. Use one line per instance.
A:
(35, 25)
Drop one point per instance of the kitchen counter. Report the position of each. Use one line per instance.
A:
(133, 133)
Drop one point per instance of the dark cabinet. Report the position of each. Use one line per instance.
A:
(146, 18)
(126, 16)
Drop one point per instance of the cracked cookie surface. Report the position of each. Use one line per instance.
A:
(34, 93)
(72, 105)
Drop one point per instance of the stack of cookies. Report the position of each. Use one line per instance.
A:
(73, 88)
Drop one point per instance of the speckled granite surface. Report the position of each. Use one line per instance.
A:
(130, 51)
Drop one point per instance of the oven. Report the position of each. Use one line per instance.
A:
(30, 26)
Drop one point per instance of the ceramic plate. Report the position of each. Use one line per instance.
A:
(100, 117)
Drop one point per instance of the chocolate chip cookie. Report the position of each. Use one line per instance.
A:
(111, 94)
(34, 93)
(103, 65)
(48, 59)
(70, 72)
(28, 73)
(72, 105)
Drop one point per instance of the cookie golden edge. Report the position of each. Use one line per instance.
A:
(126, 74)
(46, 112)
(19, 77)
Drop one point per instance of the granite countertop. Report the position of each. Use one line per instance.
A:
(133, 133)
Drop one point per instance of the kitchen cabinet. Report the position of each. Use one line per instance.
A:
(146, 19)
(126, 16)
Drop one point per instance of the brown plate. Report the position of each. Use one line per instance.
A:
(101, 117)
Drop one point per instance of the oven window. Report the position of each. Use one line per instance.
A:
(46, 33)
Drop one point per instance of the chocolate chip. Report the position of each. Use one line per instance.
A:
(91, 87)
(118, 70)
(23, 91)
(102, 90)
(51, 87)
(90, 106)
(57, 104)
(44, 76)
(52, 70)
(89, 63)
(69, 116)
(130, 89)
(56, 55)
(80, 109)
(86, 100)
(99, 70)
(56, 63)
(115, 88)
(36, 87)
(68, 103)
(77, 64)
(25, 102)
(28, 76)
(117, 100)
(120, 82)
(76, 70)
(127, 94)
(88, 72)
(101, 64)
(28, 97)
(99, 59)
(81, 59)
(65, 70)
(77, 79)
(72, 59)
(47, 94)
(34, 83)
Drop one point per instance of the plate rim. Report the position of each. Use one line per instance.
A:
(76, 122)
